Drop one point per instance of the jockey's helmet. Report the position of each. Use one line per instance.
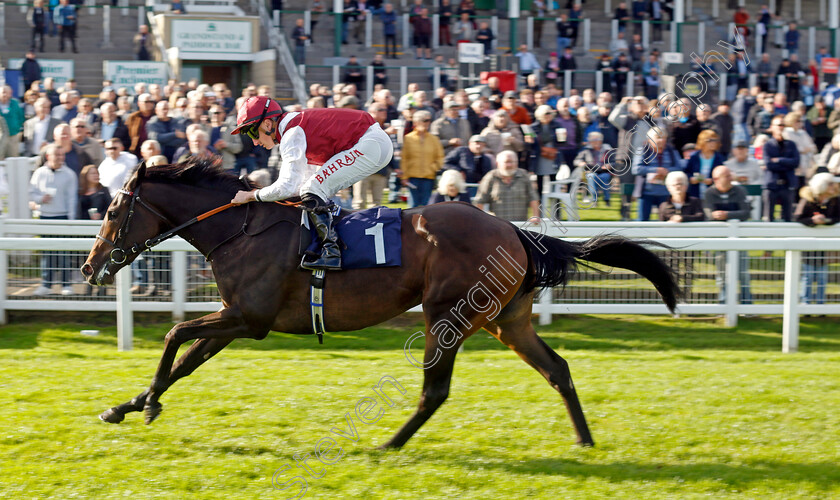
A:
(252, 112)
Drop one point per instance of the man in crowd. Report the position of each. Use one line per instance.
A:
(12, 112)
(38, 130)
(67, 110)
(781, 157)
(54, 188)
(74, 158)
(116, 168)
(726, 201)
(471, 161)
(507, 191)
(137, 121)
(80, 135)
(166, 131)
(452, 130)
(110, 126)
(225, 144)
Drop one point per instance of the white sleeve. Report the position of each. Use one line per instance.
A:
(292, 167)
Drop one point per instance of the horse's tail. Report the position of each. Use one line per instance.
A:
(553, 259)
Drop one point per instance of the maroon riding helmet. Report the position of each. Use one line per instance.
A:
(252, 112)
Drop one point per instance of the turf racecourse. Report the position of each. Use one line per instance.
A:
(678, 408)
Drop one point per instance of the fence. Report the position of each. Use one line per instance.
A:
(716, 263)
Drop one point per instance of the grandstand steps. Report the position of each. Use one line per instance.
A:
(89, 37)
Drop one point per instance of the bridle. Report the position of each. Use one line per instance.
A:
(118, 255)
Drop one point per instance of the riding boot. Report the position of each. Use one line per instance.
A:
(330, 258)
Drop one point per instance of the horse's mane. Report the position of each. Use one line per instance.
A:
(198, 172)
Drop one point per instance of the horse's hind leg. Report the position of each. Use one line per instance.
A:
(200, 351)
(438, 360)
(519, 335)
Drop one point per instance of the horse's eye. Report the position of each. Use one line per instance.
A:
(112, 215)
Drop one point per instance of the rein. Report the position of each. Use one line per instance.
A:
(118, 255)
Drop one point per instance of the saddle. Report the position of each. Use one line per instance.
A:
(368, 238)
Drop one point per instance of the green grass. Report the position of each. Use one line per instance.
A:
(678, 409)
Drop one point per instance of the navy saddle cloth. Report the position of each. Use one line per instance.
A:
(369, 238)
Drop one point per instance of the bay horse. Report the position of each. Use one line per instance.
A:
(468, 269)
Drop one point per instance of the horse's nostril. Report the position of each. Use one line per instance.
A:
(87, 270)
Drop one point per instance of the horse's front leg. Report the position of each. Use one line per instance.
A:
(200, 351)
(225, 325)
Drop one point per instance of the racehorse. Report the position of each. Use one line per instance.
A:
(468, 269)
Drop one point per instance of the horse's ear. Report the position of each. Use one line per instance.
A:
(138, 176)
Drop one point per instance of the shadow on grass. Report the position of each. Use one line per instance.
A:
(570, 333)
(824, 475)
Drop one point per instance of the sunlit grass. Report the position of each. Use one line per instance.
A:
(678, 408)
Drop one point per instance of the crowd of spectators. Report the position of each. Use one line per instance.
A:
(688, 163)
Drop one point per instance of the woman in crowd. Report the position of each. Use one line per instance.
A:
(804, 144)
(544, 151)
(818, 206)
(680, 207)
(702, 162)
(94, 198)
(450, 188)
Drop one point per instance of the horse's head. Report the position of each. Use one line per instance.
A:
(129, 224)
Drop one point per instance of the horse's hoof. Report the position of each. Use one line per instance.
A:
(111, 416)
(152, 411)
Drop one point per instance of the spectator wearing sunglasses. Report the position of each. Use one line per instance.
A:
(322, 150)
(116, 167)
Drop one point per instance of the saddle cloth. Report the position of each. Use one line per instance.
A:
(369, 238)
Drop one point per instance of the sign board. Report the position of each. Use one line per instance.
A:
(212, 37)
(471, 53)
(830, 65)
(127, 73)
(672, 57)
(60, 70)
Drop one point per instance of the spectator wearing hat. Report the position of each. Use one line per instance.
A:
(502, 134)
(745, 169)
(471, 161)
(452, 130)
(518, 114)
(451, 187)
(551, 70)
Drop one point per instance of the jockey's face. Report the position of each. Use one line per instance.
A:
(266, 140)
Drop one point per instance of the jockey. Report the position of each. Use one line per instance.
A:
(322, 151)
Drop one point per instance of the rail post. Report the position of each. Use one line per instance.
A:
(790, 326)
